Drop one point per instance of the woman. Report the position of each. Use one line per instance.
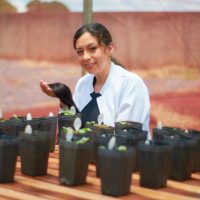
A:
(107, 88)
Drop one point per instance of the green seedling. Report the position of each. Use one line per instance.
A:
(122, 123)
(83, 140)
(90, 123)
(102, 147)
(70, 112)
(80, 131)
(84, 130)
(122, 148)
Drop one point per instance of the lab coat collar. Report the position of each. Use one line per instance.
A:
(107, 82)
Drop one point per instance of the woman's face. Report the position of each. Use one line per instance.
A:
(92, 56)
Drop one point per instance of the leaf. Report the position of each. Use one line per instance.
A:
(90, 123)
(68, 130)
(15, 116)
(100, 118)
(28, 129)
(83, 140)
(147, 142)
(51, 114)
(186, 131)
(29, 116)
(122, 148)
(72, 110)
(69, 136)
(112, 143)
(159, 125)
(77, 123)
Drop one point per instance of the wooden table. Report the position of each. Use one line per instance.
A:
(48, 187)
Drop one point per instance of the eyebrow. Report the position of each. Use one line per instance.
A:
(89, 45)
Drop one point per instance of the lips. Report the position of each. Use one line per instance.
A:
(89, 65)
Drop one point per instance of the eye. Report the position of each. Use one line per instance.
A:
(93, 49)
(79, 52)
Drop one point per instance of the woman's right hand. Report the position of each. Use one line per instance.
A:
(46, 89)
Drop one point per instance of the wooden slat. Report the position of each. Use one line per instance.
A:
(11, 193)
(196, 176)
(150, 193)
(61, 189)
(178, 185)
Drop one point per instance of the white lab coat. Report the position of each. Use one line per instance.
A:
(124, 97)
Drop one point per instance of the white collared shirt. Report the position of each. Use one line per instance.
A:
(124, 96)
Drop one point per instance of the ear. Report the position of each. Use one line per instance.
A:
(110, 49)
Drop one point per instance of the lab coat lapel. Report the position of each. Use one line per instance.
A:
(109, 79)
(102, 100)
(87, 91)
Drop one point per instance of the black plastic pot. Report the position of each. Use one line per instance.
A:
(73, 162)
(49, 124)
(132, 137)
(66, 121)
(116, 171)
(158, 134)
(11, 127)
(34, 152)
(96, 134)
(183, 157)
(102, 140)
(194, 134)
(35, 124)
(8, 156)
(154, 164)
(128, 125)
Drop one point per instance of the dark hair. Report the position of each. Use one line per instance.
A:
(100, 32)
(63, 92)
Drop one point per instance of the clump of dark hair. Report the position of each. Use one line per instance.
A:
(100, 32)
(63, 92)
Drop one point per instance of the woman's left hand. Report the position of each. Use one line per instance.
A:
(46, 89)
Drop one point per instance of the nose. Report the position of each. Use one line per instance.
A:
(86, 55)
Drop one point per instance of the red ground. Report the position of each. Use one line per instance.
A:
(183, 103)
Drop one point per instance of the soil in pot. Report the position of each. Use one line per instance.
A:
(128, 125)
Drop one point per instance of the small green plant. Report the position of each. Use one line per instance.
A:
(102, 147)
(79, 131)
(16, 117)
(83, 140)
(90, 123)
(122, 148)
(2, 120)
(122, 122)
(83, 130)
(68, 113)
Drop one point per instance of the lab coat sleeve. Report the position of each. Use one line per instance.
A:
(134, 104)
